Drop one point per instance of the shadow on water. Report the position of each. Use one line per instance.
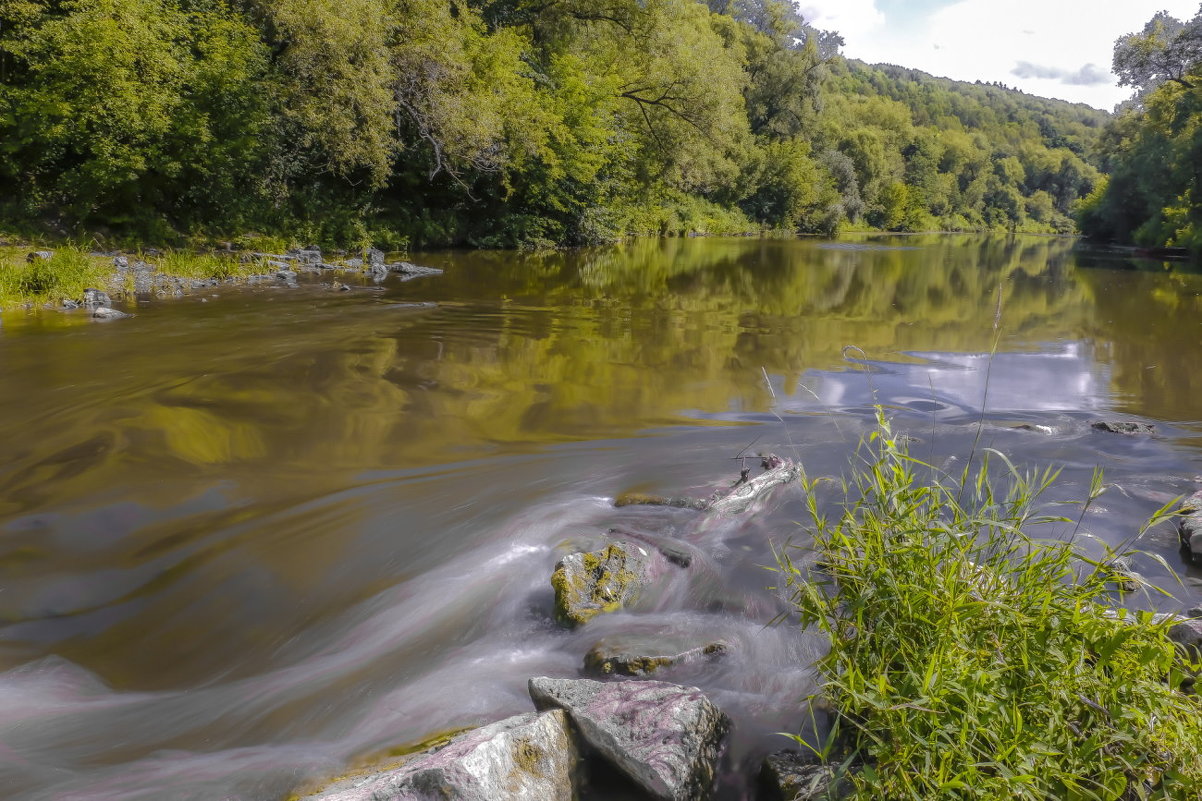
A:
(246, 541)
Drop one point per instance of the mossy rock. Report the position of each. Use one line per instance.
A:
(588, 584)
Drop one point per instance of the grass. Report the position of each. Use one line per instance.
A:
(185, 264)
(62, 277)
(972, 659)
(73, 268)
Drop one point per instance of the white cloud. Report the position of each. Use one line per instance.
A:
(855, 19)
(1068, 42)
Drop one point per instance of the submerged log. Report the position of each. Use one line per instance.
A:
(738, 498)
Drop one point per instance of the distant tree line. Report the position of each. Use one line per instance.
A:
(502, 123)
(1153, 150)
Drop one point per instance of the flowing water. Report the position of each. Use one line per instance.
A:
(251, 537)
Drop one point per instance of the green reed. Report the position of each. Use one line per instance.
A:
(64, 276)
(972, 659)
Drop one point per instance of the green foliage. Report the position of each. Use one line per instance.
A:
(64, 276)
(499, 123)
(114, 107)
(1154, 149)
(971, 659)
(1165, 50)
(934, 153)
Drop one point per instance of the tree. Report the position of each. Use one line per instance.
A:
(1165, 50)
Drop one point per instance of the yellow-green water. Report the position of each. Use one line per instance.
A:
(251, 535)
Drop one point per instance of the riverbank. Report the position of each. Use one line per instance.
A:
(974, 651)
(71, 277)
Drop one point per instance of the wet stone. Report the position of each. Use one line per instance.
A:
(1190, 527)
(794, 776)
(644, 654)
(409, 270)
(1123, 427)
(94, 297)
(664, 737)
(588, 584)
(105, 313)
(530, 757)
(1188, 634)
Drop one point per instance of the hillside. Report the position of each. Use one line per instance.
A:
(500, 123)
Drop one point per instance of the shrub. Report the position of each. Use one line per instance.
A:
(970, 660)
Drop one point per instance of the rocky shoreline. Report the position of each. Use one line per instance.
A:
(134, 277)
(666, 741)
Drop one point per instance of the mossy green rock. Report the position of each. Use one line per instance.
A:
(587, 584)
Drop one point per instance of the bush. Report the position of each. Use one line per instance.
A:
(970, 660)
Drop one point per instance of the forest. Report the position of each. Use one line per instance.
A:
(528, 123)
(1152, 152)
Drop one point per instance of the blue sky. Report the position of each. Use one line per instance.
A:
(1052, 48)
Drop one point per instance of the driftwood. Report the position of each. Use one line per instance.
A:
(738, 498)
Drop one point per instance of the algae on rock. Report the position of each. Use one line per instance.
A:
(587, 584)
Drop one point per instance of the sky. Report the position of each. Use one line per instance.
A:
(1050, 48)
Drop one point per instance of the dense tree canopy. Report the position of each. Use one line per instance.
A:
(1153, 151)
(503, 122)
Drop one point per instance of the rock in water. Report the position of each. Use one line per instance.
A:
(1123, 427)
(1191, 526)
(793, 776)
(105, 313)
(94, 297)
(409, 270)
(640, 655)
(530, 757)
(665, 737)
(1187, 632)
(587, 584)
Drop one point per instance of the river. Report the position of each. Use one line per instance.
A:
(251, 536)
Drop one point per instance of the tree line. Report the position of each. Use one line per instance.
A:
(1153, 150)
(498, 123)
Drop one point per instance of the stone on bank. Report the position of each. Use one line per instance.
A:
(530, 757)
(793, 776)
(665, 737)
(1191, 527)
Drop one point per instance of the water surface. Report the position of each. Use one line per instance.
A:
(250, 536)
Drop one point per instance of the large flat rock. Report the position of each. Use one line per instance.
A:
(665, 737)
(530, 757)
